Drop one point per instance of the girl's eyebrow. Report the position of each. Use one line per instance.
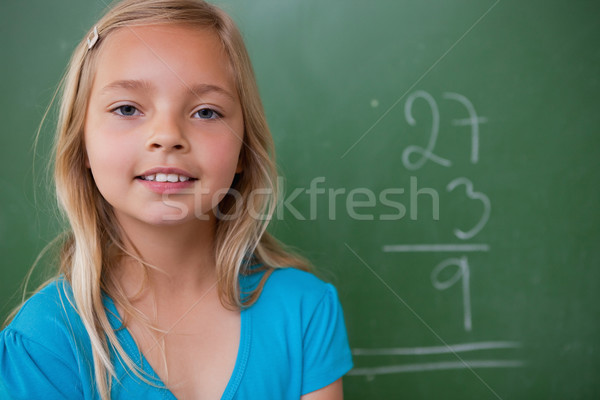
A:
(141, 85)
(129, 84)
(202, 88)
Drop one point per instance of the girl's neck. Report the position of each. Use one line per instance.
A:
(183, 255)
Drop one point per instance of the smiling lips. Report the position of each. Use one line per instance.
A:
(166, 180)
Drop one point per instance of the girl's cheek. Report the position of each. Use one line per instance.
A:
(118, 126)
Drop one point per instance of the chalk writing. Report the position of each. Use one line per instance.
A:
(453, 271)
(462, 273)
(426, 153)
(474, 120)
(434, 248)
(429, 350)
(475, 196)
(437, 366)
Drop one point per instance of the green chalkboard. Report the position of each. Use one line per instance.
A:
(441, 164)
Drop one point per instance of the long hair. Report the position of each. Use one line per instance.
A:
(95, 243)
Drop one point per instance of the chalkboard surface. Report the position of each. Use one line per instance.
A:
(441, 163)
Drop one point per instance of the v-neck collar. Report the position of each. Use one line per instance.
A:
(136, 355)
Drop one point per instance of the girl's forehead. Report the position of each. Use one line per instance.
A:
(182, 39)
(166, 52)
(165, 29)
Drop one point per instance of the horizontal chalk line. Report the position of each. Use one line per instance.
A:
(436, 366)
(407, 248)
(416, 351)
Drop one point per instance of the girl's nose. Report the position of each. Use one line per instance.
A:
(167, 135)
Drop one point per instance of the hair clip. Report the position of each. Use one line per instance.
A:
(92, 38)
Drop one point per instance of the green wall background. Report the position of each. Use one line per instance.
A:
(355, 93)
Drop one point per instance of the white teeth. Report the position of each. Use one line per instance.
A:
(166, 178)
(173, 178)
(161, 177)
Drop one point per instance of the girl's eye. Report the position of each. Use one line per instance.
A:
(126, 110)
(207, 113)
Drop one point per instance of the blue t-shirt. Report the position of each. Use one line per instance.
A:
(293, 341)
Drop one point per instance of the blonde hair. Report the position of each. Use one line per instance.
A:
(95, 244)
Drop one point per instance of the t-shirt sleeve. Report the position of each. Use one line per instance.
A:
(29, 370)
(327, 355)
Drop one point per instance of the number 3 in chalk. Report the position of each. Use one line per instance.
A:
(475, 196)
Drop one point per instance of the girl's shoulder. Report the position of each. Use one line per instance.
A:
(292, 291)
(42, 348)
(296, 280)
(298, 330)
(49, 307)
(288, 282)
(293, 282)
(48, 318)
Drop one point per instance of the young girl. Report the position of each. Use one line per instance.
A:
(169, 286)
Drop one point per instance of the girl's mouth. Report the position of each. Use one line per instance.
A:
(167, 184)
(166, 180)
(160, 177)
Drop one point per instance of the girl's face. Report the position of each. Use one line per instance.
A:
(164, 124)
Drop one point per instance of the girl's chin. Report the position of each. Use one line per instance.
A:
(178, 218)
(170, 218)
